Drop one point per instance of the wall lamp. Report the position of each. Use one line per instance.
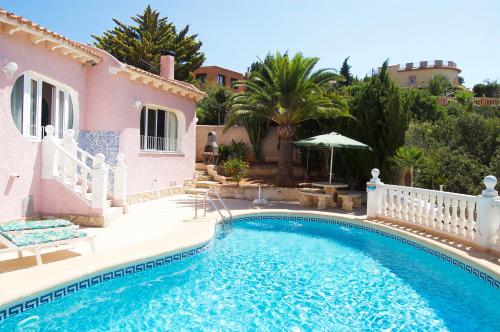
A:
(136, 105)
(9, 68)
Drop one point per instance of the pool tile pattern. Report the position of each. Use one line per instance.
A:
(95, 280)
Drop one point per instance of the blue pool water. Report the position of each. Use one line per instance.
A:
(275, 275)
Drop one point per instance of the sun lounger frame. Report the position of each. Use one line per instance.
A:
(36, 248)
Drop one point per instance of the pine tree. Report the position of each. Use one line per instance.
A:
(346, 72)
(140, 45)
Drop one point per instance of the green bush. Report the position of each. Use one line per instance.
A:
(236, 169)
(224, 153)
(238, 149)
(235, 150)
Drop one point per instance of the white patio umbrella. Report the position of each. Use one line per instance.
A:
(330, 141)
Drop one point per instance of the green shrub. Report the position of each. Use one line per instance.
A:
(236, 169)
(224, 153)
(238, 149)
(235, 150)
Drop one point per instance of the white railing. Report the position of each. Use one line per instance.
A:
(496, 205)
(86, 175)
(438, 210)
(475, 219)
(67, 166)
(153, 143)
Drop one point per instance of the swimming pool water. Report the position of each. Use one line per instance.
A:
(282, 275)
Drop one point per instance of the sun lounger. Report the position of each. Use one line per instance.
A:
(38, 240)
(12, 226)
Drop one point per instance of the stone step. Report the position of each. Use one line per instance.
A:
(196, 191)
(200, 167)
(204, 178)
(205, 184)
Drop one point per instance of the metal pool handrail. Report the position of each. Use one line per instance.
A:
(207, 196)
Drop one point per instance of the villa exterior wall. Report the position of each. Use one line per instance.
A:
(110, 99)
(18, 154)
(422, 75)
(105, 103)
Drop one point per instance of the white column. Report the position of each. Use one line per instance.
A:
(49, 154)
(487, 214)
(374, 195)
(120, 181)
(99, 182)
(69, 145)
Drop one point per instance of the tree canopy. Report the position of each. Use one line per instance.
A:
(489, 89)
(345, 71)
(140, 44)
(214, 108)
(287, 90)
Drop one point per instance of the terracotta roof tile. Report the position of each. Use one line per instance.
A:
(180, 84)
(31, 25)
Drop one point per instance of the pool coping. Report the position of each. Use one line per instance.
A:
(20, 301)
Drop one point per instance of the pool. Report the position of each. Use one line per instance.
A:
(282, 273)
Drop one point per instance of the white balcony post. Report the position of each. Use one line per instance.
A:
(69, 145)
(120, 190)
(49, 154)
(487, 214)
(374, 195)
(99, 182)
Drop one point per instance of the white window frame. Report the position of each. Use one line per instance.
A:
(146, 145)
(58, 87)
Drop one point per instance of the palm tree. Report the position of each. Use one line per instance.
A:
(287, 91)
(406, 159)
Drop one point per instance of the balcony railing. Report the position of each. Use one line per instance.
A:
(154, 143)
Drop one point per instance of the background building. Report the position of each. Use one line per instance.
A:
(219, 75)
(413, 75)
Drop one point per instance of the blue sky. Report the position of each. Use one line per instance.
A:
(235, 32)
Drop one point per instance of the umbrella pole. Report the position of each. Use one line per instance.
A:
(331, 164)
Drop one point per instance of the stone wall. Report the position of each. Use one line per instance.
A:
(154, 194)
(237, 133)
(252, 192)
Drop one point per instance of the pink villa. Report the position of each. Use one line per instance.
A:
(82, 133)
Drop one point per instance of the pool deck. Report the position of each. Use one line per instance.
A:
(163, 226)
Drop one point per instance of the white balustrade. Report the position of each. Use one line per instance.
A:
(99, 175)
(84, 174)
(472, 218)
(120, 181)
(488, 214)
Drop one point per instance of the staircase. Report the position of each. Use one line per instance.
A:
(206, 179)
(76, 182)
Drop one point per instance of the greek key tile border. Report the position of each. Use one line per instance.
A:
(95, 280)
(464, 266)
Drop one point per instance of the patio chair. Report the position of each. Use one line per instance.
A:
(35, 241)
(32, 225)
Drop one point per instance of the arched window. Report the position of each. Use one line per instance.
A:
(37, 102)
(159, 130)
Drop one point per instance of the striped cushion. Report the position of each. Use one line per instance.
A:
(33, 224)
(22, 239)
